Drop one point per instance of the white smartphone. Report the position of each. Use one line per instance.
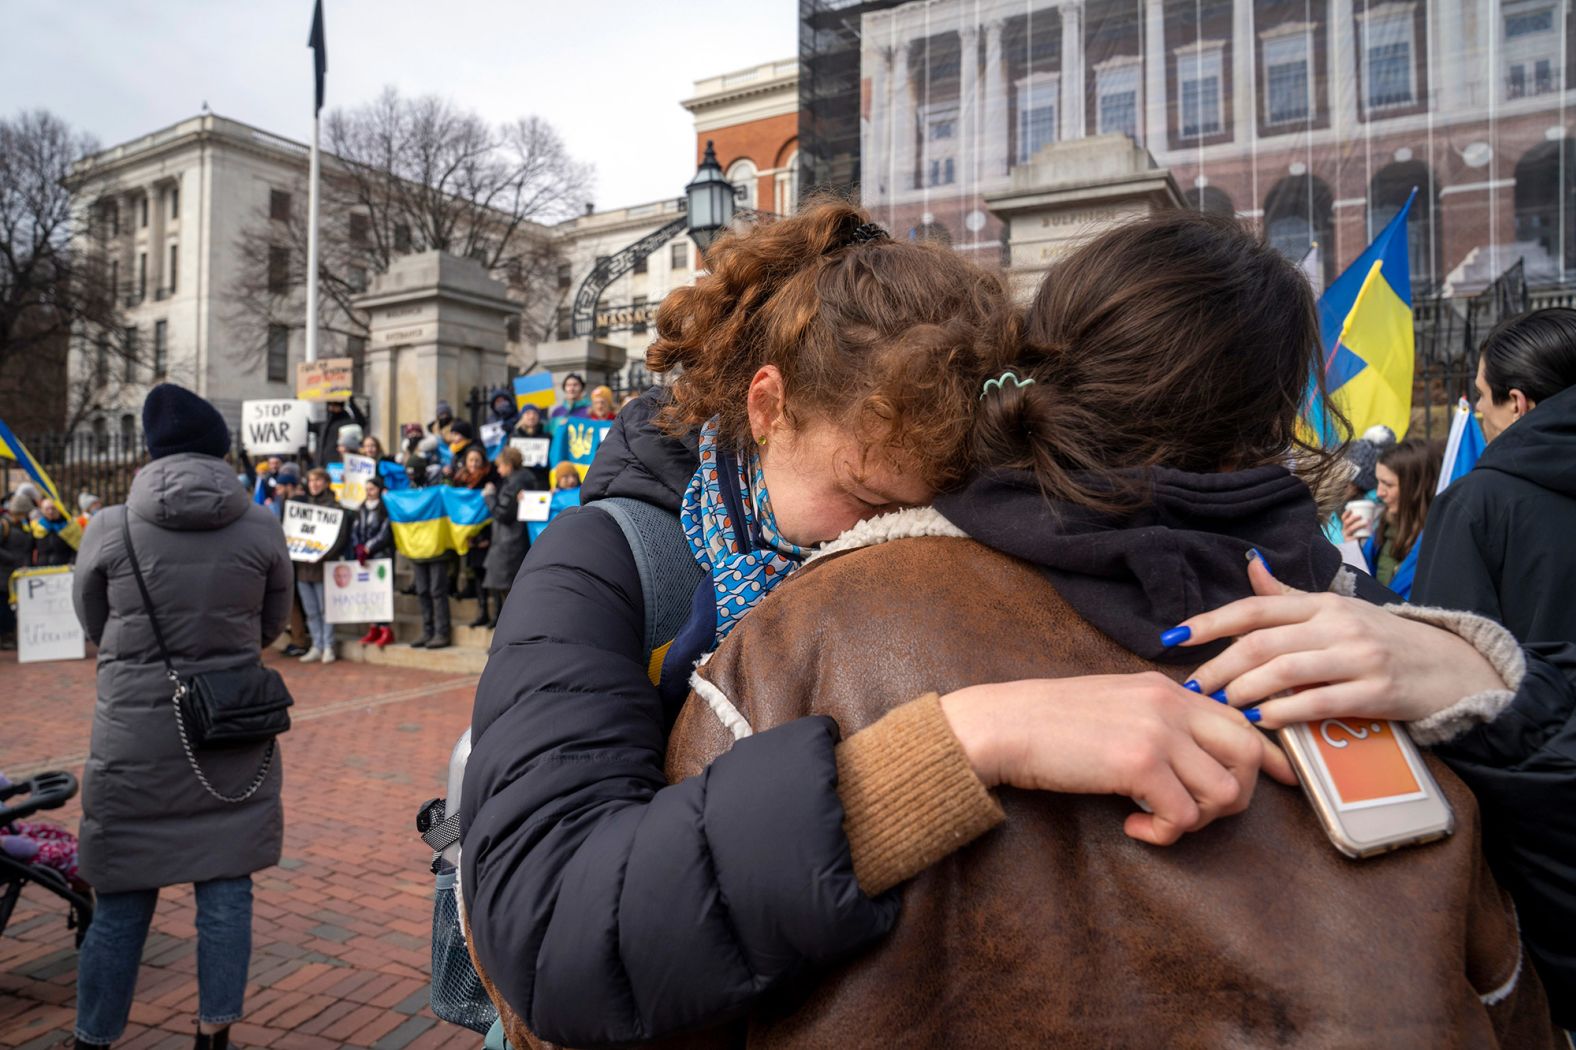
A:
(1368, 784)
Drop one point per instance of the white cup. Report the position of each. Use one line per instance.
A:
(1368, 511)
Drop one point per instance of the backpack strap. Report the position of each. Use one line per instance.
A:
(668, 571)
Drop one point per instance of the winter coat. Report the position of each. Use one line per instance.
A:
(328, 432)
(371, 530)
(49, 546)
(509, 542)
(16, 545)
(312, 571)
(219, 576)
(604, 904)
(1057, 929)
(1499, 540)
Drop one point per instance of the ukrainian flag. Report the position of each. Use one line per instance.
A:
(12, 448)
(430, 521)
(1365, 320)
(534, 390)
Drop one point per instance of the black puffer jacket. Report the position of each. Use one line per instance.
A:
(605, 905)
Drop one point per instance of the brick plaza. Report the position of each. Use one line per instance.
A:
(342, 926)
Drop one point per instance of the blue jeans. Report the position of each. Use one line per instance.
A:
(112, 951)
(312, 606)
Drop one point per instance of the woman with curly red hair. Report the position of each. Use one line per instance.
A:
(825, 374)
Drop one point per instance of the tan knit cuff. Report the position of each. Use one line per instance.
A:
(909, 795)
(1495, 644)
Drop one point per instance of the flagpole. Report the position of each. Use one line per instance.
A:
(311, 249)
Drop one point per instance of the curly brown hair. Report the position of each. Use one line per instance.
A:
(891, 339)
(1178, 340)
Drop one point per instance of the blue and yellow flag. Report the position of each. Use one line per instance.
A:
(534, 390)
(12, 448)
(1365, 321)
(429, 521)
(576, 441)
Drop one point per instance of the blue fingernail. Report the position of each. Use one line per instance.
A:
(1219, 696)
(1192, 684)
(1256, 553)
(1252, 714)
(1175, 636)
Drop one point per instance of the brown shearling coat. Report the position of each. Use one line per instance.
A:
(1056, 930)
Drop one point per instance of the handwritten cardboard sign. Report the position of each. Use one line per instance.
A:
(533, 451)
(310, 530)
(355, 593)
(535, 506)
(274, 428)
(328, 379)
(46, 624)
(357, 471)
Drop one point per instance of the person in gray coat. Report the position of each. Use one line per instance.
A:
(219, 578)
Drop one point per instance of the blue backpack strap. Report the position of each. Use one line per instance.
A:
(668, 572)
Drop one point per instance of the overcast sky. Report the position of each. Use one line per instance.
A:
(609, 74)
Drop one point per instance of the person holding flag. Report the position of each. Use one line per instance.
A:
(1498, 540)
(69, 533)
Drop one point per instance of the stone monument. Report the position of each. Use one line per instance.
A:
(437, 328)
(1069, 191)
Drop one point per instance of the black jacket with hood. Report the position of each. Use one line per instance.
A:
(1185, 553)
(606, 905)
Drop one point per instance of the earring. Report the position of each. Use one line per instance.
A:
(761, 441)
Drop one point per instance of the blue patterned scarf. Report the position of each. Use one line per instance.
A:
(745, 560)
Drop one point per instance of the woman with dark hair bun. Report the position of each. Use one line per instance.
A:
(1130, 467)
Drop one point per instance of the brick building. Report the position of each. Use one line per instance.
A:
(752, 118)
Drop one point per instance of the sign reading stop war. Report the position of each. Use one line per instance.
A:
(310, 530)
(326, 380)
(274, 428)
(47, 626)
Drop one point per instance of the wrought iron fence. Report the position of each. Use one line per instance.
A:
(100, 463)
(631, 380)
(1448, 334)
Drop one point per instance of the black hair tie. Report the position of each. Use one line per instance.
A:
(866, 233)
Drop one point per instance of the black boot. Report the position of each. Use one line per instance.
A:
(482, 619)
(421, 643)
(219, 1040)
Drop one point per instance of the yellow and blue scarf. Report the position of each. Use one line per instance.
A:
(728, 520)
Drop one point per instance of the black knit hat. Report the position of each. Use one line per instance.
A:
(175, 420)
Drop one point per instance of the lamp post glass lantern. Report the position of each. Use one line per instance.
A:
(710, 199)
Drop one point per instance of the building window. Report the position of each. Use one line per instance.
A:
(1531, 50)
(1389, 72)
(356, 350)
(114, 279)
(278, 353)
(278, 270)
(565, 276)
(744, 178)
(359, 225)
(511, 329)
(1199, 82)
(114, 219)
(358, 278)
(601, 262)
(175, 267)
(160, 348)
(101, 359)
(142, 276)
(279, 205)
(175, 202)
(1116, 92)
(640, 264)
(681, 258)
(639, 310)
(401, 237)
(561, 326)
(1288, 83)
(128, 432)
(1038, 95)
(100, 435)
(941, 143)
(788, 186)
(144, 214)
(131, 353)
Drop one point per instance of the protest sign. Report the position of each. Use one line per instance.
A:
(492, 437)
(535, 506)
(358, 470)
(46, 624)
(533, 450)
(274, 428)
(310, 530)
(355, 593)
(326, 380)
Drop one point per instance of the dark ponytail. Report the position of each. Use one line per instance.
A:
(1534, 353)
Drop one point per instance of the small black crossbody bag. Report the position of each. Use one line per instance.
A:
(220, 709)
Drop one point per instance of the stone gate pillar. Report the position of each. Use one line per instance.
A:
(437, 327)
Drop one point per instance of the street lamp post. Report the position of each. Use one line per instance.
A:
(710, 198)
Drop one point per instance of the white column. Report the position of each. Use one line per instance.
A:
(995, 161)
(903, 123)
(1343, 68)
(878, 153)
(1449, 58)
(1072, 78)
(1155, 76)
(969, 104)
(1242, 93)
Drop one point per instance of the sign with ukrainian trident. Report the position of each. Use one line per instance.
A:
(356, 593)
(576, 441)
